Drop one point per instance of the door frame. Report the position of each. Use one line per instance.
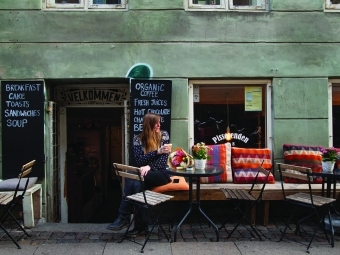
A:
(63, 150)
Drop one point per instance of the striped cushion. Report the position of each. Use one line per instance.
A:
(303, 155)
(245, 162)
(220, 156)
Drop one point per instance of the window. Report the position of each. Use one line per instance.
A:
(86, 4)
(247, 4)
(228, 4)
(333, 4)
(336, 112)
(242, 107)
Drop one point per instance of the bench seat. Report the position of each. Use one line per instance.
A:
(272, 192)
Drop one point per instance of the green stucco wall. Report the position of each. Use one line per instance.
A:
(299, 116)
(20, 4)
(295, 43)
(154, 5)
(297, 5)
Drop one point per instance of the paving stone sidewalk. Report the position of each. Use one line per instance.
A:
(191, 231)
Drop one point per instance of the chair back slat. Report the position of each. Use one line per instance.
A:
(26, 169)
(299, 176)
(260, 169)
(129, 175)
(264, 171)
(131, 172)
(122, 167)
(297, 172)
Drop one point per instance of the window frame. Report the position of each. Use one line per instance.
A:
(247, 7)
(226, 5)
(221, 6)
(192, 84)
(85, 5)
(333, 84)
(330, 6)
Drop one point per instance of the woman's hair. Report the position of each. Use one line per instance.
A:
(149, 138)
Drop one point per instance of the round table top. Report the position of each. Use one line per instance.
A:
(210, 170)
(334, 175)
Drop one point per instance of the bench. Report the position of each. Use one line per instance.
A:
(237, 161)
(32, 204)
(272, 192)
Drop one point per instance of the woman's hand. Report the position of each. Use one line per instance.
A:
(166, 148)
(144, 170)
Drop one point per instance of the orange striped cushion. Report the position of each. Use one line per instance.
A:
(245, 162)
(303, 155)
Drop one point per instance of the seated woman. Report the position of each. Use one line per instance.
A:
(151, 150)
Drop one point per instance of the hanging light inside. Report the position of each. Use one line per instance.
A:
(228, 134)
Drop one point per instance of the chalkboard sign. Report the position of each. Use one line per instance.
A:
(22, 109)
(148, 96)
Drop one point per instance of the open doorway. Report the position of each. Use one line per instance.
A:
(95, 139)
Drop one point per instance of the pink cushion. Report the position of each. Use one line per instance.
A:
(220, 156)
(245, 162)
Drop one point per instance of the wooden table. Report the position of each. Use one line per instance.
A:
(194, 176)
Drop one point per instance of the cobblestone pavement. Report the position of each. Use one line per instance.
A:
(193, 231)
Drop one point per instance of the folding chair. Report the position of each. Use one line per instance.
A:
(12, 193)
(145, 199)
(314, 205)
(239, 196)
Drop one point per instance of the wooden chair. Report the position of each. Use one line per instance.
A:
(145, 199)
(314, 205)
(13, 195)
(239, 196)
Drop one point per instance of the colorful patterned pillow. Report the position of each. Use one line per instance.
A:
(303, 155)
(221, 156)
(245, 162)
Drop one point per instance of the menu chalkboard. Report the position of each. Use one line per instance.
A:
(22, 114)
(148, 96)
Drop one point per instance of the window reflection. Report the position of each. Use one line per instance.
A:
(247, 2)
(207, 2)
(67, 1)
(94, 1)
(211, 117)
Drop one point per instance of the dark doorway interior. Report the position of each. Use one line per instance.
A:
(95, 140)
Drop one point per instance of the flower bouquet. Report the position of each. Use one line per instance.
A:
(179, 159)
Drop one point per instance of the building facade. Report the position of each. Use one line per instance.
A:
(267, 70)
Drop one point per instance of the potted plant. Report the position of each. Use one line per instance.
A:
(329, 157)
(200, 155)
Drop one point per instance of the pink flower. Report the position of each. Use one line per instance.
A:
(177, 160)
